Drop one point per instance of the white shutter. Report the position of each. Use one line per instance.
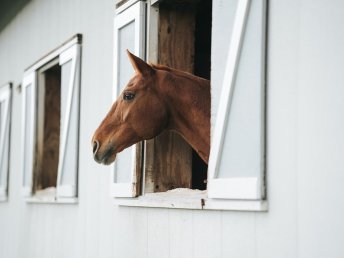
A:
(67, 177)
(5, 118)
(129, 34)
(29, 108)
(237, 164)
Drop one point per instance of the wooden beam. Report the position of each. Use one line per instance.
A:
(168, 156)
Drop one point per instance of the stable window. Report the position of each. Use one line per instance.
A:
(166, 162)
(51, 124)
(5, 119)
(178, 34)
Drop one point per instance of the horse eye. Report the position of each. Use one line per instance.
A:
(128, 96)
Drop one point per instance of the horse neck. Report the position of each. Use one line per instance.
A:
(188, 101)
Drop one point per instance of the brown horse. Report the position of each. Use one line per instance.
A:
(157, 98)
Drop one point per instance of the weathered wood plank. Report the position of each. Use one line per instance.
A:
(169, 157)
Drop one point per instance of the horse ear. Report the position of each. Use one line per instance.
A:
(140, 66)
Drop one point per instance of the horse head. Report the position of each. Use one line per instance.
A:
(139, 113)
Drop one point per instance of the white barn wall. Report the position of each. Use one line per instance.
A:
(304, 131)
(320, 126)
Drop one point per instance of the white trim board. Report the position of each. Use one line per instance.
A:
(191, 199)
(70, 55)
(125, 6)
(5, 126)
(76, 39)
(35, 200)
(135, 13)
(30, 79)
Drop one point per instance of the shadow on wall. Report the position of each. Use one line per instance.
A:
(9, 9)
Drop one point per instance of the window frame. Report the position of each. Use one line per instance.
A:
(239, 194)
(5, 123)
(68, 51)
(30, 79)
(136, 12)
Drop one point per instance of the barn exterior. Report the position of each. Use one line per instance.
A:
(273, 187)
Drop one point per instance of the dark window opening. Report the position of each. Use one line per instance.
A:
(184, 42)
(202, 68)
(48, 128)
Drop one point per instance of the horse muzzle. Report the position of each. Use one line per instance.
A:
(105, 157)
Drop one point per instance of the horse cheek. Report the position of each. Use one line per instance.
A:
(160, 120)
(149, 122)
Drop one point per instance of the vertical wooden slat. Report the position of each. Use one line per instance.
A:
(169, 157)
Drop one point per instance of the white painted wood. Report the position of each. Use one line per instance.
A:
(154, 2)
(235, 188)
(175, 199)
(158, 233)
(53, 54)
(125, 6)
(135, 14)
(320, 125)
(243, 224)
(5, 116)
(69, 189)
(133, 223)
(207, 237)
(184, 198)
(180, 232)
(53, 200)
(282, 178)
(64, 55)
(235, 205)
(122, 189)
(227, 86)
(305, 126)
(232, 187)
(3, 197)
(29, 82)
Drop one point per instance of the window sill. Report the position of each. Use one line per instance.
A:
(52, 200)
(191, 199)
(48, 196)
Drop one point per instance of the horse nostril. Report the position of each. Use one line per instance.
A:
(95, 147)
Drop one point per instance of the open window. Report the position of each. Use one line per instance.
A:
(51, 124)
(178, 34)
(5, 119)
(166, 162)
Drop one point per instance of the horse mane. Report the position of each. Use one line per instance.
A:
(179, 73)
(202, 83)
